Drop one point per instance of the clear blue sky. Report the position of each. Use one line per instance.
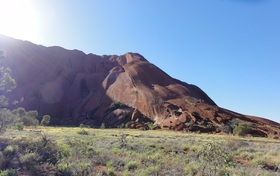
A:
(229, 48)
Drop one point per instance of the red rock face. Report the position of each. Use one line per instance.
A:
(75, 88)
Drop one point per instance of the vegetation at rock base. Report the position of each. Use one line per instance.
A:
(67, 151)
(242, 129)
(7, 83)
(18, 117)
(117, 105)
(45, 120)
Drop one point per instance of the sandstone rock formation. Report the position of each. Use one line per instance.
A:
(74, 88)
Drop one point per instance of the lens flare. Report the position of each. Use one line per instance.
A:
(17, 19)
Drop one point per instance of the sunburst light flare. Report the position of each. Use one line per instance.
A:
(17, 19)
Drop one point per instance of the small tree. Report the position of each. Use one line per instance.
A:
(229, 126)
(30, 118)
(6, 119)
(7, 83)
(20, 112)
(45, 120)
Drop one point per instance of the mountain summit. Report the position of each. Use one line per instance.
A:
(77, 88)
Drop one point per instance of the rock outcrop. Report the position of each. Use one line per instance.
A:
(76, 88)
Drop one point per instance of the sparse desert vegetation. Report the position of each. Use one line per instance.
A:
(28, 146)
(88, 151)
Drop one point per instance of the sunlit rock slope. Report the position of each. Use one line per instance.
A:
(74, 88)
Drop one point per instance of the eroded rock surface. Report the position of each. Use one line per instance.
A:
(76, 88)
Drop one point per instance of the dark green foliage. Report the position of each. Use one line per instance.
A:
(150, 125)
(190, 124)
(117, 105)
(45, 120)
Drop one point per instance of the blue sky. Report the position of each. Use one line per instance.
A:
(229, 48)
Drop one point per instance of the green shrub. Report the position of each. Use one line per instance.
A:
(131, 165)
(229, 126)
(30, 118)
(192, 168)
(7, 118)
(8, 172)
(64, 168)
(20, 112)
(110, 171)
(83, 168)
(117, 105)
(30, 160)
(10, 151)
(150, 125)
(242, 129)
(6, 159)
(215, 159)
(84, 126)
(20, 126)
(64, 151)
(82, 132)
(45, 120)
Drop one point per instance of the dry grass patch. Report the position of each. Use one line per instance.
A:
(135, 152)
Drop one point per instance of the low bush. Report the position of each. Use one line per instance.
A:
(242, 129)
(30, 157)
(117, 105)
(215, 159)
(84, 126)
(229, 126)
(82, 132)
(132, 165)
(20, 126)
(8, 172)
(45, 120)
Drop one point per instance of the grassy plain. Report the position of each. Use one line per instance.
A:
(87, 151)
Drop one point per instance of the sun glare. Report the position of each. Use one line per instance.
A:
(17, 19)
